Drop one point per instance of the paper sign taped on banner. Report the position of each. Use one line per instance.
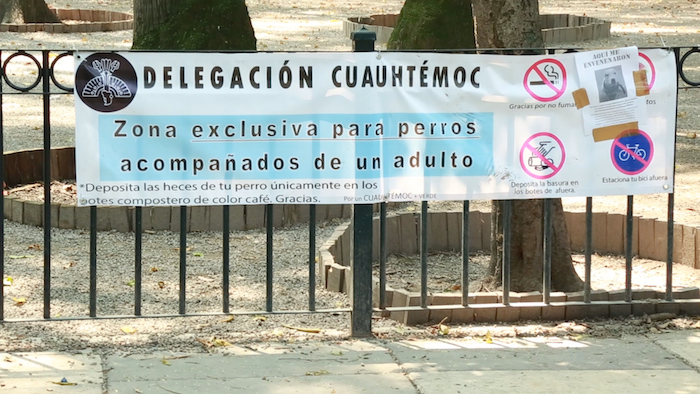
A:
(612, 110)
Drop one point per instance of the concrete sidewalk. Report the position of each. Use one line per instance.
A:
(664, 363)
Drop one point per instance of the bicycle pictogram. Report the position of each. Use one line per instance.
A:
(633, 152)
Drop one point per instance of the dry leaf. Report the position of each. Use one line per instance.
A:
(303, 329)
(488, 337)
(154, 269)
(220, 342)
(161, 284)
(128, 329)
(64, 382)
(228, 319)
(317, 373)
(19, 301)
(444, 329)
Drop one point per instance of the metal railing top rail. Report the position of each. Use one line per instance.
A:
(684, 53)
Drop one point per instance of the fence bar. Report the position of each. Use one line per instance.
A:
(93, 261)
(669, 249)
(138, 259)
(382, 255)
(2, 199)
(589, 250)
(547, 250)
(312, 257)
(424, 254)
(183, 260)
(226, 260)
(46, 89)
(361, 319)
(465, 253)
(507, 222)
(269, 221)
(628, 249)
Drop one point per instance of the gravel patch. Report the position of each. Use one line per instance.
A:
(296, 25)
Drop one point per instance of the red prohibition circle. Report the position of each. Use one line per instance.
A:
(545, 81)
(652, 70)
(555, 168)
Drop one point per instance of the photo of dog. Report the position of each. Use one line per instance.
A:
(611, 84)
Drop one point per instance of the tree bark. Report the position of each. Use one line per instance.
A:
(526, 251)
(434, 24)
(515, 24)
(192, 25)
(508, 23)
(26, 11)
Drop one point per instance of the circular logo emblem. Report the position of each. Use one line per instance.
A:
(106, 82)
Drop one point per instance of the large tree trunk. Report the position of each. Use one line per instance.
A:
(434, 24)
(192, 25)
(527, 244)
(26, 11)
(515, 24)
(507, 23)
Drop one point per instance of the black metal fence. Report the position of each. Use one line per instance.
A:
(44, 83)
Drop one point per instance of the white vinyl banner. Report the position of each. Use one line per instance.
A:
(270, 128)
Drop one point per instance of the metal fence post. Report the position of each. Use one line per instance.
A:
(361, 315)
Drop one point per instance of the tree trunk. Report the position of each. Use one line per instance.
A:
(192, 25)
(434, 24)
(508, 23)
(526, 251)
(26, 11)
(515, 24)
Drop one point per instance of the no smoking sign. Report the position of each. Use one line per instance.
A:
(545, 80)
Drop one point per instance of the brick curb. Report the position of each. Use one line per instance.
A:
(556, 28)
(94, 21)
(445, 235)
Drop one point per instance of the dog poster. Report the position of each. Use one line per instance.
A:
(609, 98)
